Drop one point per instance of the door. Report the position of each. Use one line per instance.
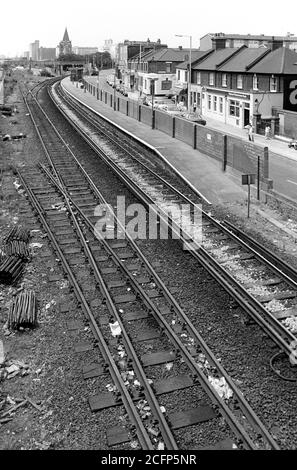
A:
(246, 117)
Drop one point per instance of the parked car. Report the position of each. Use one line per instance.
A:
(195, 118)
(293, 144)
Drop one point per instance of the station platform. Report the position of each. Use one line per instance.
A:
(201, 171)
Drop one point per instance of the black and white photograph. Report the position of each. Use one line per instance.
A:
(148, 231)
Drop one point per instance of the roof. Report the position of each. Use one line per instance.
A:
(196, 55)
(251, 37)
(217, 58)
(66, 37)
(169, 54)
(245, 58)
(280, 61)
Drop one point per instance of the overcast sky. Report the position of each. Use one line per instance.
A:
(90, 22)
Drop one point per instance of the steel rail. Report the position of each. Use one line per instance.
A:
(279, 334)
(239, 431)
(245, 407)
(142, 435)
(222, 226)
(263, 251)
(166, 432)
(233, 423)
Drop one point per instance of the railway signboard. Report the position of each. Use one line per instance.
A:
(248, 180)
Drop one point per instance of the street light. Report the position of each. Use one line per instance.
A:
(152, 84)
(190, 67)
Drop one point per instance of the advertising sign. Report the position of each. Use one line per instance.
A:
(290, 93)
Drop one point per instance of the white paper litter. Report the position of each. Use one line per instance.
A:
(115, 328)
(35, 245)
(221, 387)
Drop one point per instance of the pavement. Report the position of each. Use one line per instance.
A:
(203, 173)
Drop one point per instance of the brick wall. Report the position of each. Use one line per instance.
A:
(210, 142)
(146, 115)
(133, 109)
(184, 131)
(238, 154)
(123, 105)
(163, 122)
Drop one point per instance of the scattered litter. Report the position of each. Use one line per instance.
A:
(63, 284)
(111, 388)
(162, 409)
(161, 446)
(115, 328)
(36, 245)
(49, 304)
(134, 444)
(221, 387)
(169, 365)
(291, 324)
(59, 206)
(12, 369)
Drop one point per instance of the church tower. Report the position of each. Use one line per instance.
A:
(65, 46)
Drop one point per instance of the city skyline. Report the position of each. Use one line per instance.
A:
(163, 20)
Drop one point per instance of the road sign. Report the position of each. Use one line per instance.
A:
(248, 179)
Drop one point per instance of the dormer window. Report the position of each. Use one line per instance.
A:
(198, 78)
(255, 82)
(211, 79)
(224, 79)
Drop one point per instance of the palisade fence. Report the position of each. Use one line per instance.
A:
(233, 152)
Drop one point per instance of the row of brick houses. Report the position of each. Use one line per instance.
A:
(235, 85)
(238, 85)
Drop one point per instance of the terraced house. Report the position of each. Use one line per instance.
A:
(237, 85)
(158, 67)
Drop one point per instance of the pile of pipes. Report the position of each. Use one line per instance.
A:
(15, 254)
(23, 311)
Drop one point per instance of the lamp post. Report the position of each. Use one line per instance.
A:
(114, 88)
(153, 93)
(190, 67)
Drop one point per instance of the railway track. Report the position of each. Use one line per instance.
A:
(266, 292)
(65, 199)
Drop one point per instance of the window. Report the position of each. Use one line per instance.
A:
(198, 100)
(255, 82)
(166, 84)
(224, 79)
(211, 79)
(186, 76)
(178, 74)
(234, 108)
(198, 78)
(273, 83)
(168, 67)
(239, 81)
(221, 105)
(215, 102)
(209, 102)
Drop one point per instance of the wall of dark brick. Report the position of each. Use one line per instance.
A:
(146, 115)
(123, 105)
(133, 109)
(242, 155)
(163, 122)
(184, 130)
(210, 142)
